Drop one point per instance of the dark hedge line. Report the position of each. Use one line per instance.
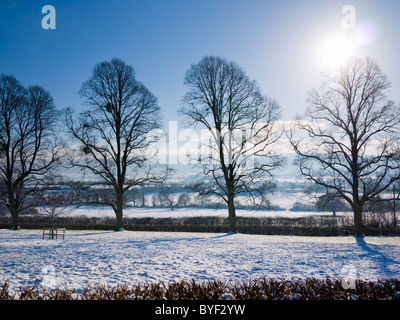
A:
(258, 289)
(305, 226)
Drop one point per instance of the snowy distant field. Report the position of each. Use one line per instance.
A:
(283, 200)
(107, 257)
(184, 212)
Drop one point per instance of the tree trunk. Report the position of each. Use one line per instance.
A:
(143, 199)
(14, 218)
(232, 214)
(11, 205)
(358, 222)
(119, 211)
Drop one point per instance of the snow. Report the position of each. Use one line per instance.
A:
(111, 258)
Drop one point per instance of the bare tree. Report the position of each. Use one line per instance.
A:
(331, 203)
(113, 132)
(183, 200)
(241, 121)
(166, 197)
(137, 196)
(28, 148)
(348, 139)
(55, 203)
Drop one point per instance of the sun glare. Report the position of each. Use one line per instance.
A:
(336, 51)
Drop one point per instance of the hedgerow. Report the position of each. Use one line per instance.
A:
(301, 226)
(256, 289)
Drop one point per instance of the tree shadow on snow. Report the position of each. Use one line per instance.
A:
(381, 260)
(225, 235)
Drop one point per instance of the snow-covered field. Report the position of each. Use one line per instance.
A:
(107, 257)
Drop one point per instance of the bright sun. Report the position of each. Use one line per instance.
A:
(335, 51)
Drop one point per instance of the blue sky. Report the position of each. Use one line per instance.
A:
(275, 42)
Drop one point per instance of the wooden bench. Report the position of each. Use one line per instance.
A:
(51, 232)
